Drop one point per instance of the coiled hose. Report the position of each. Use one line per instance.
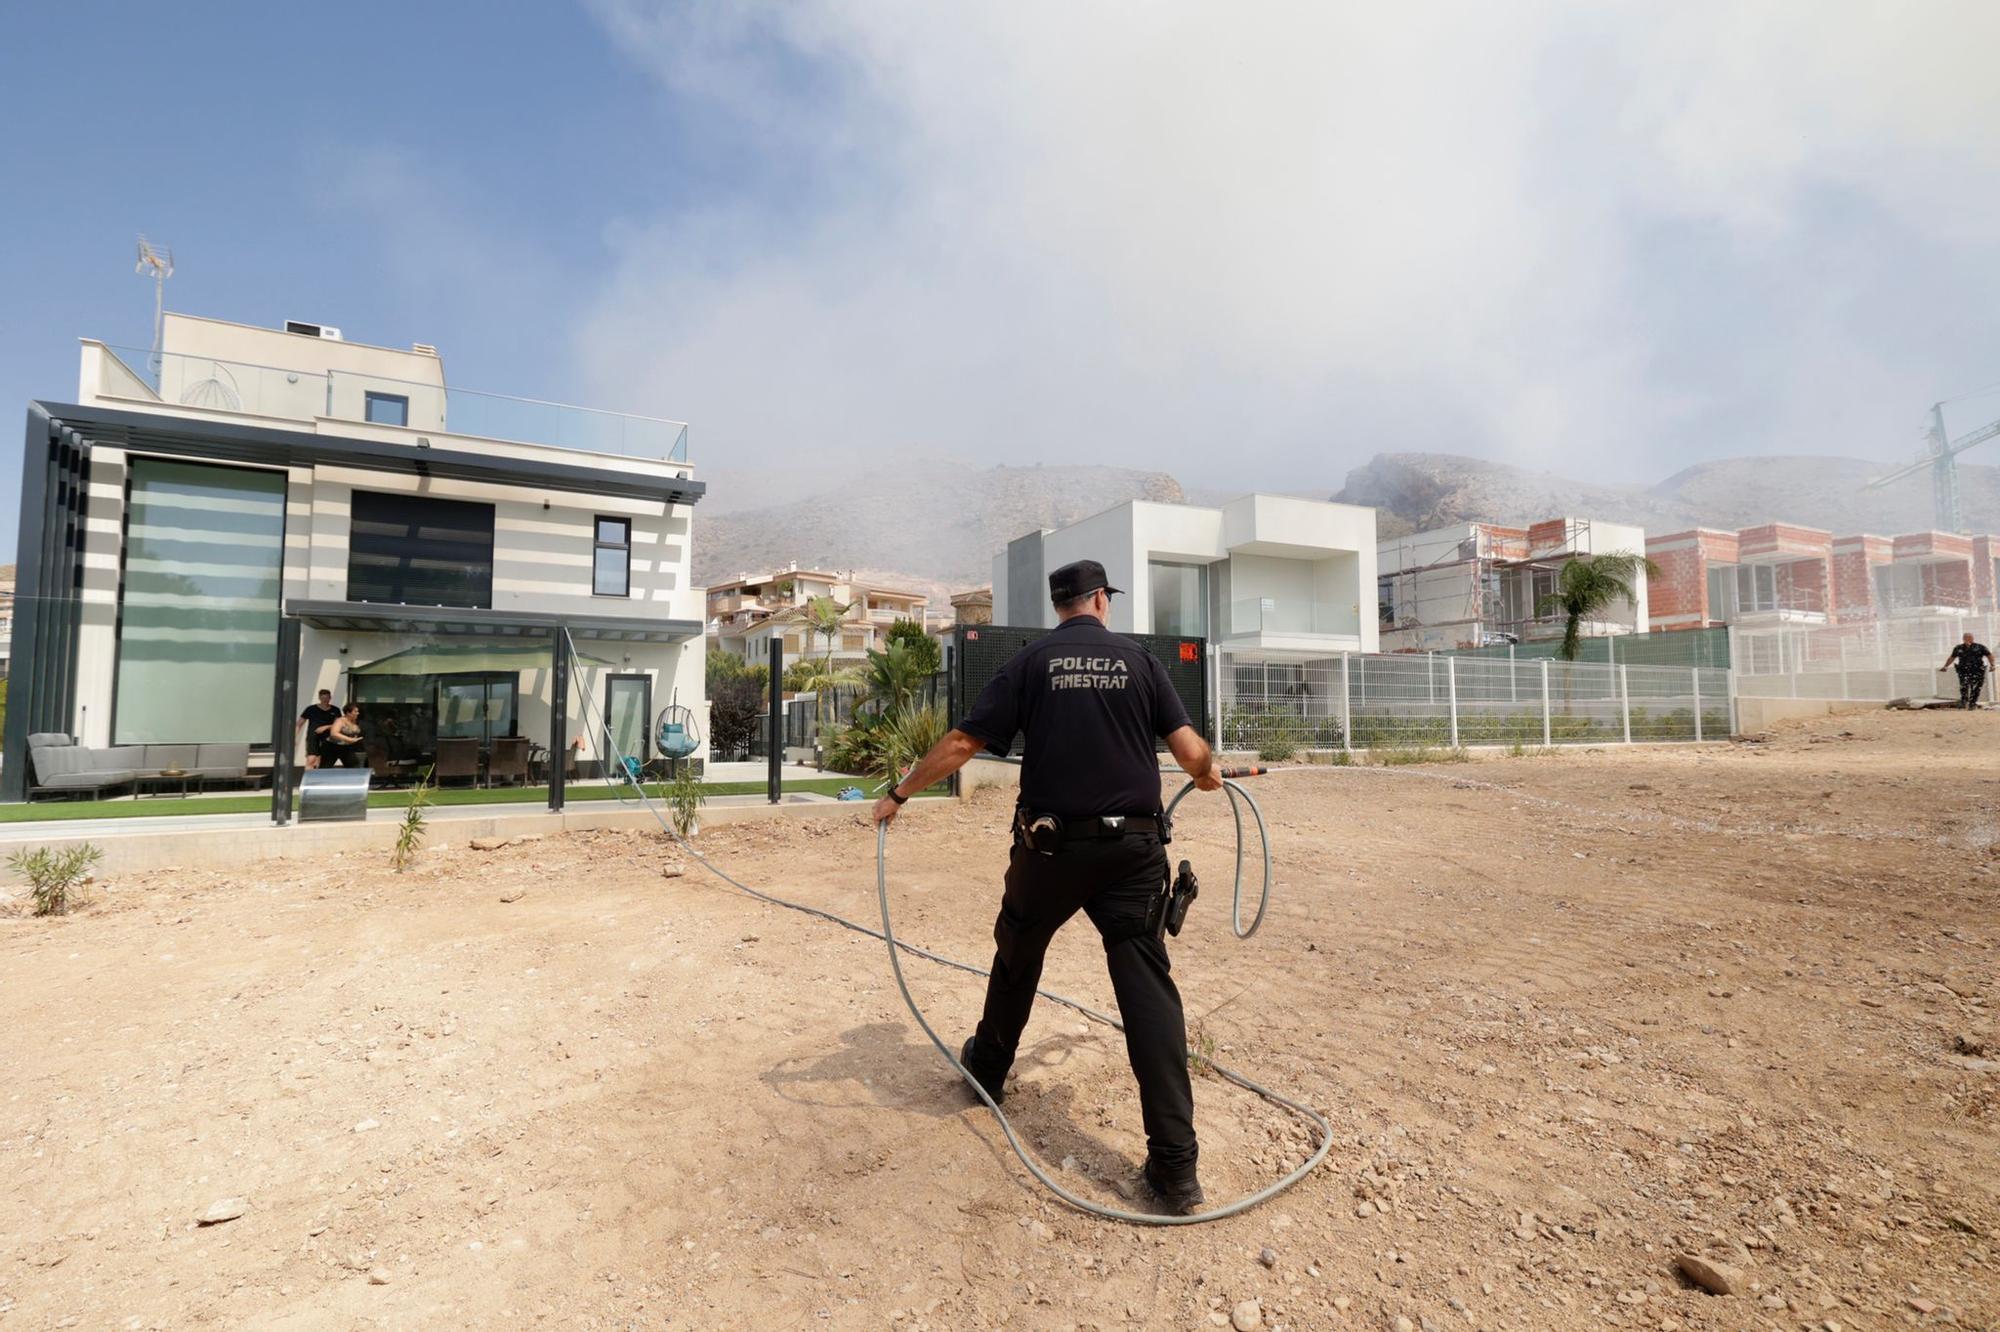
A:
(897, 947)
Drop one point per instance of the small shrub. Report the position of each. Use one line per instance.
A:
(908, 737)
(410, 836)
(1400, 755)
(685, 796)
(1201, 1050)
(55, 875)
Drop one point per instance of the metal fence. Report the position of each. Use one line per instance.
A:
(1408, 700)
(1680, 647)
(1869, 661)
(808, 716)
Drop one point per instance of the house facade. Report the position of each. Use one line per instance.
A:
(1476, 585)
(746, 613)
(251, 512)
(1264, 577)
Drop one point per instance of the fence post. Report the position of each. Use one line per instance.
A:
(1346, 709)
(1513, 677)
(1451, 691)
(1548, 737)
(1843, 668)
(774, 748)
(1431, 676)
(951, 698)
(1625, 701)
(1696, 672)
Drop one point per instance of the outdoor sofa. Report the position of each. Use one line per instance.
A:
(62, 767)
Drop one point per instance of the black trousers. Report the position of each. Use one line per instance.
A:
(1970, 685)
(1113, 882)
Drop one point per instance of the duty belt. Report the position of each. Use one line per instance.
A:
(1049, 833)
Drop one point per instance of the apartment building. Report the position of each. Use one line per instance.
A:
(1483, 584)
(1782, 574)
(746, 613)
(252, 511)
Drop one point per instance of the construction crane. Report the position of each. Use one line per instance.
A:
(1941, 457)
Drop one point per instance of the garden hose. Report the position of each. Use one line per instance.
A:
(897, 947)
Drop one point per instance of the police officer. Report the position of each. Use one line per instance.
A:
(1972, 660)
(1087, 837)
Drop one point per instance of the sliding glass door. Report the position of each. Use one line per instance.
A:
(628, 703)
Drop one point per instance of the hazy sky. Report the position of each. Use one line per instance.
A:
(1250, 244)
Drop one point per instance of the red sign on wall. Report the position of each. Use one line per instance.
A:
(1190, 652)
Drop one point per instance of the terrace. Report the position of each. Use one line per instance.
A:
(211, 384)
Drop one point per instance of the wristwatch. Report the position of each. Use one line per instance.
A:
(898, 797)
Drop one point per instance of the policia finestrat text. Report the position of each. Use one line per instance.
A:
(1087, 835)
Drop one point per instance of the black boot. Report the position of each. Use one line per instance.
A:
(1180, 1191)
(994, 1087)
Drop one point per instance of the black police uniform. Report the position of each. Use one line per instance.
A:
(1091, 704)
(1970, 660)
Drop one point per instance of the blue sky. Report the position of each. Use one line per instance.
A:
(1248, 245)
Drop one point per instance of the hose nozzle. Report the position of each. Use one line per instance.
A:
(1237, 774)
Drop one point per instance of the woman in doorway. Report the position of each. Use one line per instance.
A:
(343, 741)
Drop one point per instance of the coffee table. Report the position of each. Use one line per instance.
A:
(160, 781)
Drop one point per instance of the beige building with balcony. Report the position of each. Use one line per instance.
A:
(746, 613)
(252, 514)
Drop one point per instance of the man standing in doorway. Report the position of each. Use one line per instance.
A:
(1087, 836)
(1973, 661)
(314, 722)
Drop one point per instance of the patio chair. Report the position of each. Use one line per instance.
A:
(379, 764)
(509, 760)
(456, 758)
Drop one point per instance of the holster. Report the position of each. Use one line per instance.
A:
(1169, 908)
(1040, 833)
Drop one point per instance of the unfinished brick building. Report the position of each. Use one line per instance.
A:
(1780, 574)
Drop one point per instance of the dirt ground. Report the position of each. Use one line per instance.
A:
(1572, 1017)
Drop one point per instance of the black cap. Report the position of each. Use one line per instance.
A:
(1076, 580)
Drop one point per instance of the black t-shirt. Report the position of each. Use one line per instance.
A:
(1969, 657)
(1091, 704)
(315, 717)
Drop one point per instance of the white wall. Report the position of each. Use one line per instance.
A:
(1307, 553)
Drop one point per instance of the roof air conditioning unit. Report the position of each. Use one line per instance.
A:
(327, 331)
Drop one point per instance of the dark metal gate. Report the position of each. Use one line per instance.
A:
(982, 649)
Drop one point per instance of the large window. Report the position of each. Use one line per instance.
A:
(611, 560)
(1722, 592)
(1899, 586)
(414, 550)
(1756, 588)
(1180, 599)
(198, 604)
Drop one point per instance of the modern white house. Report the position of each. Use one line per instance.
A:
(1266, 579)
(213, 532)
(1479, 585)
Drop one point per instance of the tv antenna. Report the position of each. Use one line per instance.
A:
(158, 264)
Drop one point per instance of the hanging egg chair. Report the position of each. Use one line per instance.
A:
(675, 733)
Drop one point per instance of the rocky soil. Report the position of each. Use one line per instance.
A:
(1600, 1034)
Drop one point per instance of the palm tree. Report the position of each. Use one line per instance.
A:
(823, 617)
(1587, 585)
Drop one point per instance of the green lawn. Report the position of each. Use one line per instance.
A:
(576, 792)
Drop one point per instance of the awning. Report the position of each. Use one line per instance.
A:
(454, 658)
(466, 622)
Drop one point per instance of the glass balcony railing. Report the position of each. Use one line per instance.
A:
(1274, 615)
(304, 395)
